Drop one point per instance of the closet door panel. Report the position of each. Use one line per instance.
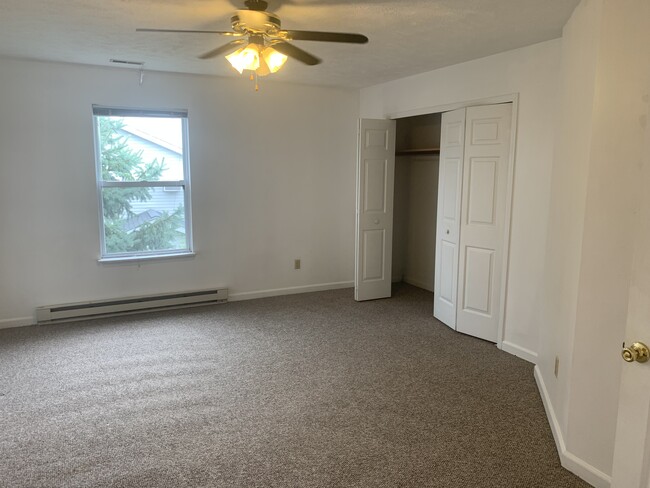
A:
(447, 280)
(479, 264)
(485, 171)
(450, 179)
(482, 191)
(374, 216)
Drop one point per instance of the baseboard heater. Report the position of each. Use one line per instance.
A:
(128, 305)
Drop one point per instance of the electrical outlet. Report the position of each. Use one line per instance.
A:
(557, 365)
(296, 264)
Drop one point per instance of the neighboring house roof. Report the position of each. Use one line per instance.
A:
(142, 218)
(154, 139)
(164, 149)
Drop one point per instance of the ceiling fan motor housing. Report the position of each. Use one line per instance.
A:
(256, 4)
(256, 22)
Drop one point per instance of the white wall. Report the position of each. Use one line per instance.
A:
(596, 174)
(272, 180)
(580, 43)
(622, 83)
(533, 72)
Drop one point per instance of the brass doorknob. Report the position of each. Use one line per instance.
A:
(638, 352)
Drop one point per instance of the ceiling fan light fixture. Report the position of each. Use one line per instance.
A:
(273, 59)
(247, 57)
(255, 57)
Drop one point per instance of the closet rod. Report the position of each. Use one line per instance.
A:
(406, 152)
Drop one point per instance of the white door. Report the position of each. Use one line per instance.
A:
(632, 447)
(374, 226)
(452, 144)
(486, 163)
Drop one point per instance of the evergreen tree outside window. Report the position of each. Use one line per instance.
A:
(143, 182)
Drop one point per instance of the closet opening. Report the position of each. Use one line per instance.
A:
(415, 199)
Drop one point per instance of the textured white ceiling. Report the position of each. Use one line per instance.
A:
(406, 36)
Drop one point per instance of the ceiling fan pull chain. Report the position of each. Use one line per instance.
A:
(253, 78)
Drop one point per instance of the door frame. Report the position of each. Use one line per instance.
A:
(514, 99)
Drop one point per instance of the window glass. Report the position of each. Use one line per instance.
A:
(143, 182)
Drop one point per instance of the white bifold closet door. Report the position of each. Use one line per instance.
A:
(445, 285)
(374, 226)
(467, 287)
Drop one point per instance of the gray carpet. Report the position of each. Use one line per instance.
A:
(310, 390)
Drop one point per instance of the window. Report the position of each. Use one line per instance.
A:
(143, 182)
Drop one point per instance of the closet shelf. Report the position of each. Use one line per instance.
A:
(427, 150)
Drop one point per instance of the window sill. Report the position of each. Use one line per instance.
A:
(152, 257)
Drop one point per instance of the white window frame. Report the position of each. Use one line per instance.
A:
(103, 111)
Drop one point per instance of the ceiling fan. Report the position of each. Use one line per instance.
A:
(261, 45)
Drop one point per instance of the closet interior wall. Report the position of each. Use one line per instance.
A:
(415, 199)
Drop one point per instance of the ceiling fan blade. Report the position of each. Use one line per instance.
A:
(296, 53)
(223, 33)
(231, 46)
(297, 35)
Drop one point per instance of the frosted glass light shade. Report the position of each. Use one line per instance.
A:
(245, 58)
(274, 59)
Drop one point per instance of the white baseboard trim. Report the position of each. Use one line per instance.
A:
(520, 352)
(292, 290)
(418, 283)
(569, 460)
(17, 322)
